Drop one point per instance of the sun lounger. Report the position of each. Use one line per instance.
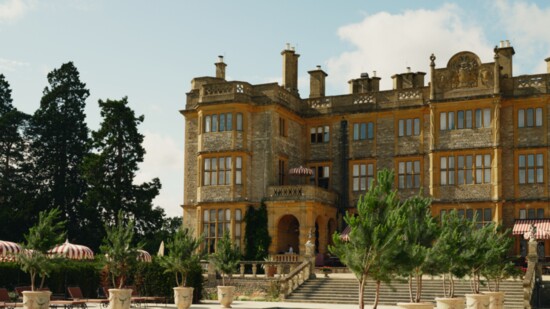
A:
(75, 293)
(6, 301)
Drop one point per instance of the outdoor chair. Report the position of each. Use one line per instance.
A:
(136, 299)
(152, 299)
(6, 301)
(75, 293)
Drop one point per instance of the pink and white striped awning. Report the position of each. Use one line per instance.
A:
(300, 171)
(73, 252)
(523, 227)
(144, 256)
(345, 233)
(8, 251)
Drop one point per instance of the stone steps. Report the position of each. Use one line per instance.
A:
(345, 291)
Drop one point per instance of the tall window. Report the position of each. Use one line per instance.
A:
(282, 172)
(447, 171)
(283, 131)
(467, 169)
(320, 134)
(409, 174)
(531, 168)
(530, 117)
(219, 171)
(238, 170)
(362, 131)
(363, 176)
(220, 122)
(239, 122)
(409, 127)
(238, 228)
(215, 223)
(321, 176)
(463, 119)
(531, 213)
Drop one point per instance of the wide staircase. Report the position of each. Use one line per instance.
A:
(345, 291)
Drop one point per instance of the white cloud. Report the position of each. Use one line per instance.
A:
(388, 43)
(526, 25)
(11, 65)
(163, 159)
(11, 10)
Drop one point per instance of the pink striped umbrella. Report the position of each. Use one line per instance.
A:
(144, 256)
(301, 171)
(72, 251)
(8, 250)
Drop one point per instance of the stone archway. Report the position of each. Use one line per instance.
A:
(288, 234)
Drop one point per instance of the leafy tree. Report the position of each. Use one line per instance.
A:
(15, 189)
(182, 255)
(111, 169)
(226, 258)
(373, 239)
(59, 144)
(257, 239)
(48, 232)
(117, 251)
(419, 233)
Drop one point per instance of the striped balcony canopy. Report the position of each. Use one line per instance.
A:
(300, 171)
(73, 252)
(523, 227)
(8, 251)
(345, 233)
(144, 256)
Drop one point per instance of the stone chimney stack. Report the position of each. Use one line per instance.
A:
(290, 69)
(547, 65)
(220, 68)
(408, 80)
(317, 83)
(364, 84)
(505, 53)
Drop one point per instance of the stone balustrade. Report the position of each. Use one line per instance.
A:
(300, 192)
(226, 91)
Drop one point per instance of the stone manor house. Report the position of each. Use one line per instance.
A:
(473, 137)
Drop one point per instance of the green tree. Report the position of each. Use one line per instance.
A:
(182, 255)
(226, 258)
(257, 239)
(59, 144)
(110, 170)
(48, 232)
(419, 234)
(15, 189)
(374, 236)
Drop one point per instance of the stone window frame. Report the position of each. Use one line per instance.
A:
(217, 220)
(525, 213)
(326, 167)
(222, 122)
(358, 177)
(282, 167)
(538, 168)
(483, 213)
(211, 170)
(319, 134)
(283, 127)
(406, 168)
(464, 119)
(403, 125)
(524, 120)
(478, 171)
(369, 130)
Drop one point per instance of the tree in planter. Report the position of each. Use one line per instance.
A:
(48, 232)
(447, 255)
(419, 234)
(226, 258)
(374, 236)
(118, 254)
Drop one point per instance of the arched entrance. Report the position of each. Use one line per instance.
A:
(288, 234)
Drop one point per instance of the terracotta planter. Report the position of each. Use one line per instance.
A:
(496, 300)
(450, 303)
(120, 298)
(225, 295)
(36, 299)
(415, 305)
(270, 271)
(183, 297)
(477, 301)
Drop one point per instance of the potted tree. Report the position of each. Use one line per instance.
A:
(182, 258)
(447, 257)
(225, 260)
(418, 236)
(119, 257)
(34, 259)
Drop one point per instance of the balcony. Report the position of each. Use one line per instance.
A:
(301, 193)
(226, 91)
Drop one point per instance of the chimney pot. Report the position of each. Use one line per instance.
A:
(408, 69)
(373, 73)
(220, 58)
(318, 67)
(287, 46)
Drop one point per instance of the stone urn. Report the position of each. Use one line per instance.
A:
(120, 298)
(183, 297)
(496, 299)
(36, 299)
(450, 303)
(477, 301)
(415, 305)
(225, 295)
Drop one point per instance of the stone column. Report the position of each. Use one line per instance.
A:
(432, 77)
(310, 255)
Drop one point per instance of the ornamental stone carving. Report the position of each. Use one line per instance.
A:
(464, 70)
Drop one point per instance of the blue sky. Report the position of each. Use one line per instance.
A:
(150, 51)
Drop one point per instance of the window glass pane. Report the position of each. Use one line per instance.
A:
(416, 126)
(522, 214)
(539, 159)
(530, 160)
(451, 177)
(460, 162)
(417, 167)
(530, 176)
(487, 178)
(239, 162)
(479, 120)
(417, 181)
(409, 181)
(443, 177)
(540, 175)
(452, 162)
(540, 213)
(460, 122)
(214, 123)
(401, 167)
(469, 162)
(530, 117)
(479, 162)
(521, 118)
(443, 121)
(326, 138)
(207, 124)
(237, 230)
(205, 216)
(363, 131)
(487, 117)
(469, 214)
(538, 120)
(401, 127)
(468, 119)
(479, 175)
(487, 160)
(370, 169)
(363, 169)
(409, 127)
(521, 161)
(355, 131)
(229, 123)
(326, 172)
(521, 175)
(451, 120)
(355, 170)
(409, 167)
(355, 184)
(370, 130)
(222, 122)
(531, 213)
(239, 122)
(363, 183)
(443, 164)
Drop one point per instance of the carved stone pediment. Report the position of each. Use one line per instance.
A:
(463, 70)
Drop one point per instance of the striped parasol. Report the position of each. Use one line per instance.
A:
(144, 256)
(8, 251)
(301, 171)
(73, 252)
